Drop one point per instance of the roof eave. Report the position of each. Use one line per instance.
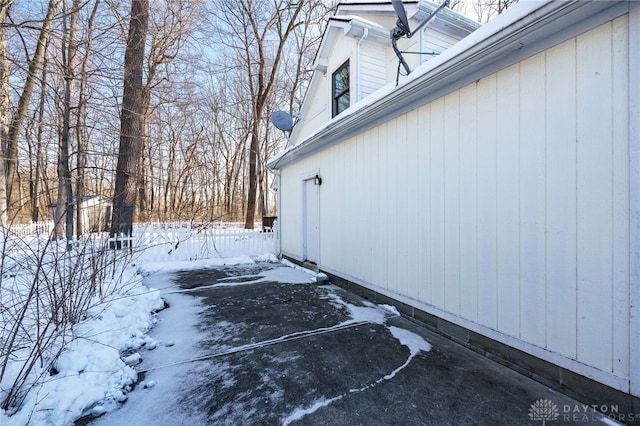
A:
(504, 37)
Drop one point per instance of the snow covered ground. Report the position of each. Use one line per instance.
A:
(97, 371)
(87, 368)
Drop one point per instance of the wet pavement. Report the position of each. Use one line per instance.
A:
(272, 347)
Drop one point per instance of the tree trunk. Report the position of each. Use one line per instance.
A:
(39, 162)
(80, 129)
(253, 180)
(65, 191)
(124, 199)
(4, 108)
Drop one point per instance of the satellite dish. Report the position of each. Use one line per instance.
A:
(282, 120)
(402, 29)
(403, 22)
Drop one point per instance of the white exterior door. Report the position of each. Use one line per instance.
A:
(311, 232)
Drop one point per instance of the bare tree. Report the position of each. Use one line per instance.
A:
(131, 132)
(255, 38)
(81, 123)
(23, 103)
(36, 156)
(258, 31)
(170, 25)
(4, 106)
(64, 207)
(202, 123)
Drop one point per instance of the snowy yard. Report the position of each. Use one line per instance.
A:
(58, 369)
(97, 363)
(72, 323)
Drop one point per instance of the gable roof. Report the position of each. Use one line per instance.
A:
(521, 31)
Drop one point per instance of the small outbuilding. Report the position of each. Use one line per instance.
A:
(96, 213)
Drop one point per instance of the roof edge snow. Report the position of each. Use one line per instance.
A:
(523, 30)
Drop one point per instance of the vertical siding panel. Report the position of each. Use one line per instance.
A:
(595, 197)
(391, 205)
(507, 201)
(402, 202)
(468, 208)
(436, 169)
(374, 205)
(532, 200)
(381, 199)
(342, 195)
(332, 196)
(367, 203)
(452, 202)
(386, 203)
(347, 206)
(352, 260)
(413, 197)
(424, 203)
(561, 199)
(358, 241)
(487, 215)
(621, 206)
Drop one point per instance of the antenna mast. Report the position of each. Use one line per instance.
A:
(402, 29)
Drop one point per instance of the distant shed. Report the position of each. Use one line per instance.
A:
(96, 213)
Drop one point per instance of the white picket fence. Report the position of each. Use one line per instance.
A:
(33, 229)
(175, 241)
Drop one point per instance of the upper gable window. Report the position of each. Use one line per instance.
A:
(340, 82)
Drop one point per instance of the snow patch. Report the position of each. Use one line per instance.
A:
(322, 278)
(133, 359)
(266, 257)
(301, 412)
(155, 267)
(292, 265)
(414, 342)
(391, 309)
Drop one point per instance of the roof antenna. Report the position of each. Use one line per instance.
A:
(402, 29)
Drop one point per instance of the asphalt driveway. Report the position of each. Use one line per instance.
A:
(269, 346)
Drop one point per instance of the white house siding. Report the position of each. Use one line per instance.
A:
(504, 203)
(315, 110)
(435, 41)
(371, 64)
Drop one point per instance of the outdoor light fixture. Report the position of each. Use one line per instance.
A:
(317, 180)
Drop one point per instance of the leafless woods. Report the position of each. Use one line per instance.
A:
(195, 143)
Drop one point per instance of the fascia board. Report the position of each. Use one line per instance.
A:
(384, 7)
(511, 36)
(446, 20)
(330, 34)
(374, 32)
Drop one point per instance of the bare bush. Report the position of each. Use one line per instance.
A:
(45, 290)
